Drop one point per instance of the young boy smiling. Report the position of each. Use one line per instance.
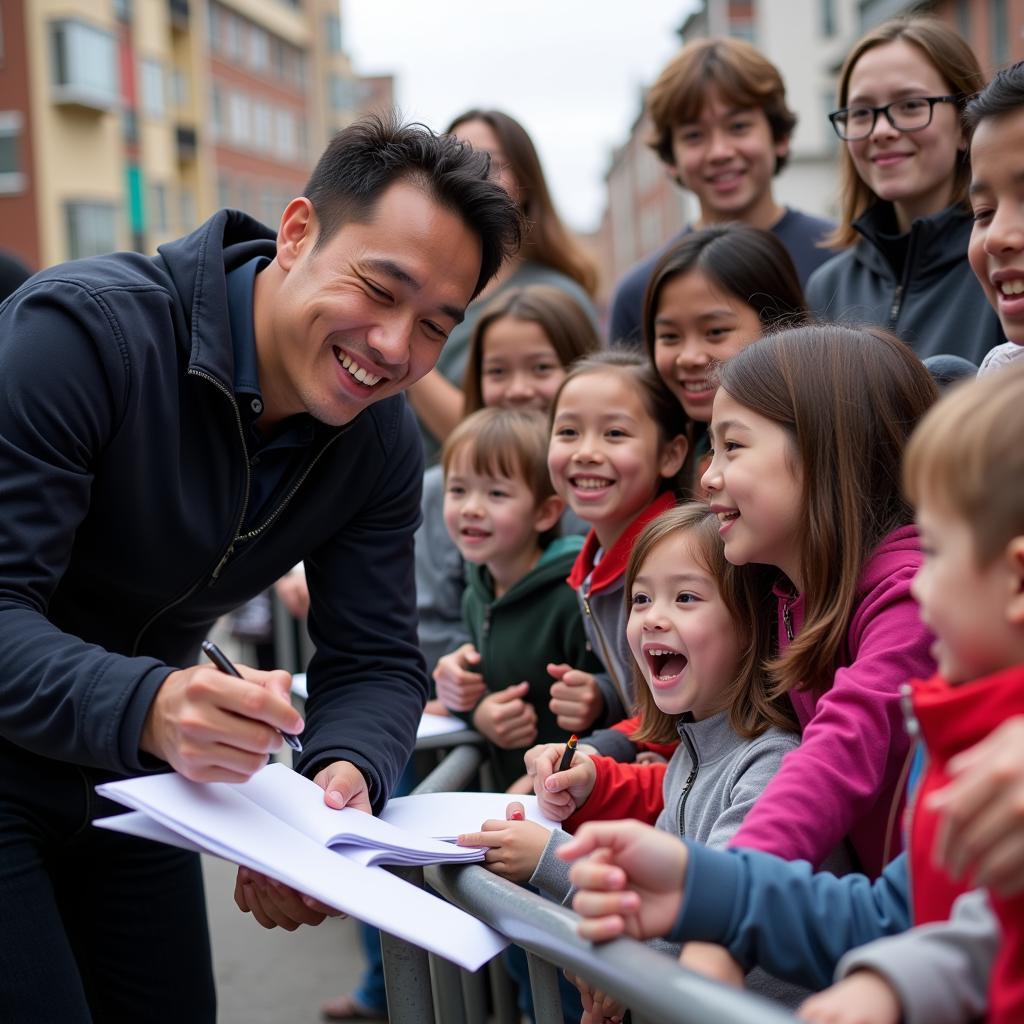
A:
(501, 511)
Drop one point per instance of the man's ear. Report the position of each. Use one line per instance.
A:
(549, 511)
(673, 455)
(298, 230)
(1014, 556)
(781, 148)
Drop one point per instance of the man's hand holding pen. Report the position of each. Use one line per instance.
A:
(212, 727)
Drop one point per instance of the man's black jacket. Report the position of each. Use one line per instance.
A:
(123, 482)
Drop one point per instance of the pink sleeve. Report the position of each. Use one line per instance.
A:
(842, 779)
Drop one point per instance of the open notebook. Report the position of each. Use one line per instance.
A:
(262, 825)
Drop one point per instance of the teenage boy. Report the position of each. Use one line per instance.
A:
(721, 126)
(176, 432)
(962, 470)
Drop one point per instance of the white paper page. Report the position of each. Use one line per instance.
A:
(449, 815)
(300, 802)
(438, 725)
(218, 818)
(135, 823)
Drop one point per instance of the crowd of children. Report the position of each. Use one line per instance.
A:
(740, 660)
(749, 554)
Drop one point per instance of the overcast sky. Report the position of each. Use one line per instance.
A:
(570, 70)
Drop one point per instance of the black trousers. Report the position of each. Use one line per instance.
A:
(95, 926)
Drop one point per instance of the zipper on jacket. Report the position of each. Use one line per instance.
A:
(690, 779)
(787, 619)
(608, 663)
(245, 507)
(894, 309)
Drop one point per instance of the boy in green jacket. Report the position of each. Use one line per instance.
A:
(502, 513)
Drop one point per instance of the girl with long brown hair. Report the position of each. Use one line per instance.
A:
(549, 255)
(905, 222)
(808, 430)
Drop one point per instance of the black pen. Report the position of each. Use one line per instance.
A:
(570, 749)
(221, 660)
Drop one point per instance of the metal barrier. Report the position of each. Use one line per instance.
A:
(422, 988)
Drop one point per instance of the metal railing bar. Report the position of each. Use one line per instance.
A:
(641, 978)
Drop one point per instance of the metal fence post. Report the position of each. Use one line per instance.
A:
(407, 971)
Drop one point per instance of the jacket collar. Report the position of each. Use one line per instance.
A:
(613, 563)
(953, 718)
(935, 242)
(198, 264)
(713, 738)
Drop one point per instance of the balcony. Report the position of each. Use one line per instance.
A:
(178, 10)
(187, 142)
(84, 66)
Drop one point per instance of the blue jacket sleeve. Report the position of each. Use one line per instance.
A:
(64, 384)
(367, 680)
(781, 916)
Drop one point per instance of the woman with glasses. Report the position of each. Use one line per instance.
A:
(904, 221)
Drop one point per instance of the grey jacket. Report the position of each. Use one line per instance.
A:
(711, 782)
(940, 970)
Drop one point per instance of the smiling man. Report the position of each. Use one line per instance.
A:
(175, 433)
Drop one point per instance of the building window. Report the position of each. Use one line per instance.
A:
(216, 113)
(239, 112)
(158, 208)
(234, 37)
(187, 209)
(286, 135)
(151, 74)
(343, 93)
(223, 191)
(262, 126)
(180, 93)
(999, 32)
(827, 16)
(84, 65)
(12, 179)
(332, 29)
(259, 49)
(963, 18)
(92, 229)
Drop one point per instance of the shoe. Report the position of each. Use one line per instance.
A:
(348, 1008)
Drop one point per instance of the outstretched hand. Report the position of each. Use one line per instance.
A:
(630, 880)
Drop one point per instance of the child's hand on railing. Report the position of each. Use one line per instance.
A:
(632, 882)
(576, 699)
(598, 1007)
(514, 846)
(712, 961)
(863, 998)
(559, 794)
(506, 719)
(458, 686)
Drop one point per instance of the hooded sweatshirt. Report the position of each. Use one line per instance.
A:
(534, 622)
(953, 719)
(854, 743)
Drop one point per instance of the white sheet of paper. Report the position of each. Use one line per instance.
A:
(216, 817)
(296, 800)
(449, 815)
(438, 725)
(135, 823)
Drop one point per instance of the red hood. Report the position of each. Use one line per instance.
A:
(613, 564)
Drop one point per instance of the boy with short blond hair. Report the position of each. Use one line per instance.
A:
(722, 127)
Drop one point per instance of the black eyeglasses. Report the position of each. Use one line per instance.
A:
(907, 115)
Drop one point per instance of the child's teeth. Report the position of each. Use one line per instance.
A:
(1015, 287)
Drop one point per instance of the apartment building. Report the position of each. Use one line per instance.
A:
(124, 123)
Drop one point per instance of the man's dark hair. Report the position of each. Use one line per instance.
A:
(1003, 95)
(370, 155)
